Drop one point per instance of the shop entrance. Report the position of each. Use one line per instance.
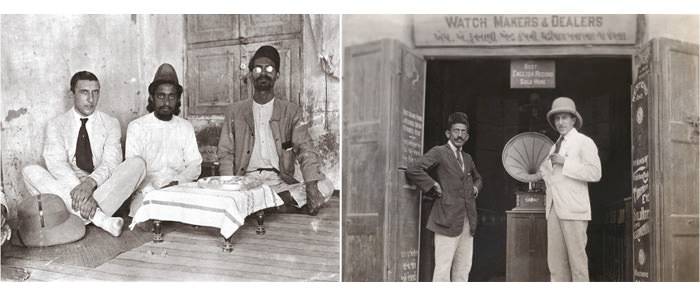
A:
(600, 86)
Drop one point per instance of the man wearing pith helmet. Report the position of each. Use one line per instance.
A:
(265, 137)
(572, 164)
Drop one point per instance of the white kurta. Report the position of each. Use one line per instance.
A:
(169, 149)
(264, 153)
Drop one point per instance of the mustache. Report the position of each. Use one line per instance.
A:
(263, 77)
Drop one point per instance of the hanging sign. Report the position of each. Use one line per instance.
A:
(532, 74)
(523, 29)
(642, 227)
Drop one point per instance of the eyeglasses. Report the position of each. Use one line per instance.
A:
(171, 97)
(267, 68)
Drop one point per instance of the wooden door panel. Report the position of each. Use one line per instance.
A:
(678, 65)
(211, 27)
(405, 214)
(361, 233)
(212, 79)
(364, 164)
(365, 187)
(383, 104)
(288, 85)
(253, 25)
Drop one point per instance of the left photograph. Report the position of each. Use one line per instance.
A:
(170, 147)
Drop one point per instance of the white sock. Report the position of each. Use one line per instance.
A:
(113, 225)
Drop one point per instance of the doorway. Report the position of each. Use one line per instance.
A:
(480, 87)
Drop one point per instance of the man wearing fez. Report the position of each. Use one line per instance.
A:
(455, 184)
(83, 155)
(264, 136)
(573, 163)
(164, 140)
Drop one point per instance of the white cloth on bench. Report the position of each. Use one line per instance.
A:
(188, 203)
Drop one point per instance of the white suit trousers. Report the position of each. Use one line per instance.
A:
(109, 196)
(453, 256)
(566, 249)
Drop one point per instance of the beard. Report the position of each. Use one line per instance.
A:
(163, 114)
(263, 83)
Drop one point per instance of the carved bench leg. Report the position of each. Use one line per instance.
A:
(260, 217)
(228, 245)
(157, 234)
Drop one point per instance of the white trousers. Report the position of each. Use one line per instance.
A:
(566, 249)
(109, 196)
(453, 256)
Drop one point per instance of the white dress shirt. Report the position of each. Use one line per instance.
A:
(168, 147)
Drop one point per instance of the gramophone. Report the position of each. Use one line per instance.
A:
(522, 156)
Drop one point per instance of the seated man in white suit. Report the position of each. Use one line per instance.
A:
(83, 156)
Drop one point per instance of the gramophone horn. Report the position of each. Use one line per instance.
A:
(524, 153)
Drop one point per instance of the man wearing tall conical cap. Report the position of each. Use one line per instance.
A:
(164, 140)
(265, 137)
(572, 164)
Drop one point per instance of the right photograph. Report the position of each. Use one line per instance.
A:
(516, 148)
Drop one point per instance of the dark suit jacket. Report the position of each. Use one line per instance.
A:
(237, 140)
(447, 215)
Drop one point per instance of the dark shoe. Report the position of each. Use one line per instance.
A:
(313, 211)
(286, 208)
(287, 198)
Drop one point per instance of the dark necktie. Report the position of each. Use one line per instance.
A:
(458, 152)
(557, 146)
(83, 153)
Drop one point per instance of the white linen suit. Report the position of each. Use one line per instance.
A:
(568, 207)
(116, 180)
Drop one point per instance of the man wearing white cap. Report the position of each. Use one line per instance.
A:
(165, 141)
(572, 164)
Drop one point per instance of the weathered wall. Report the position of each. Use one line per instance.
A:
(680, 27)
(358, 29)
(320, 95)
(41, 52)
(321, 91)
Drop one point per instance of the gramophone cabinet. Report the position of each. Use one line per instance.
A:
(526, 246)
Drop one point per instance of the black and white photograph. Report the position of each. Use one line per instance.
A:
(319, 145)
(520, 147)
(170, 147)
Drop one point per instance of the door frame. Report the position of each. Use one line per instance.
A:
(537, 52)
